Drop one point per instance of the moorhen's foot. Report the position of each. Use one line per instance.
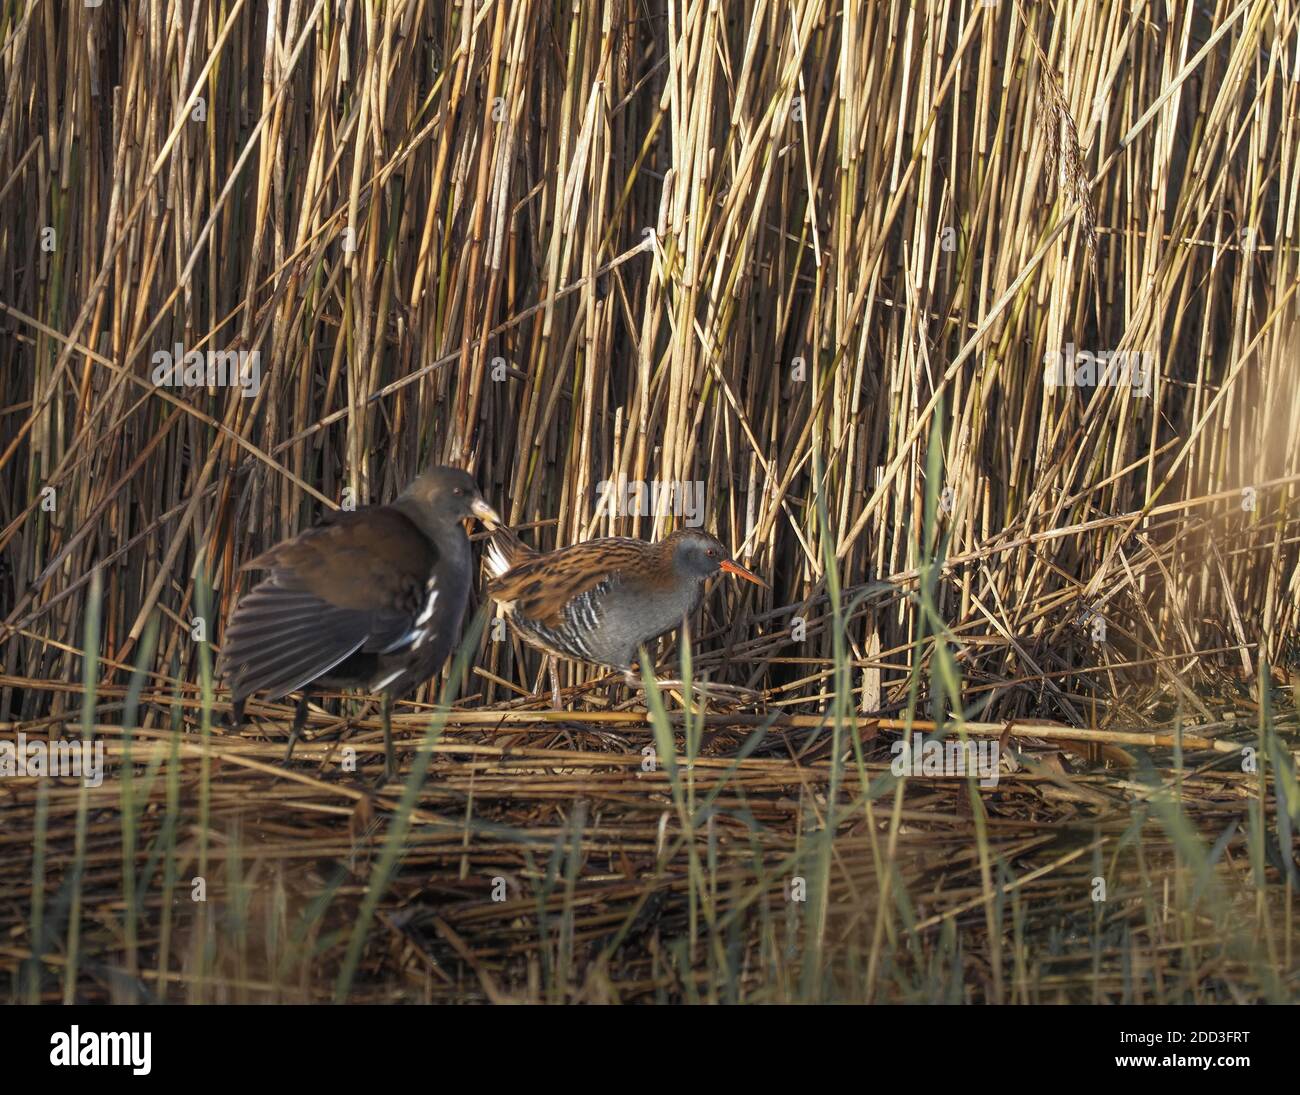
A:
(390, 756)
(295, 731)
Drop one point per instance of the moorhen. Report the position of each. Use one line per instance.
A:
(372, 598)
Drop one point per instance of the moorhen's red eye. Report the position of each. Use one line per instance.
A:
(711, 553)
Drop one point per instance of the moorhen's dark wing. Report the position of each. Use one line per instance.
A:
(361, 582)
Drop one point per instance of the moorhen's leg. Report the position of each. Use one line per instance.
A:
(299, 721)
(390, 759)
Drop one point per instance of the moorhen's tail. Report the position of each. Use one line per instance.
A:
(505, 551)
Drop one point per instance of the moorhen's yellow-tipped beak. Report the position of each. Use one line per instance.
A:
(485, 513)
(740, 572)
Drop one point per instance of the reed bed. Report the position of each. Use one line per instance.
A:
(814, 261)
